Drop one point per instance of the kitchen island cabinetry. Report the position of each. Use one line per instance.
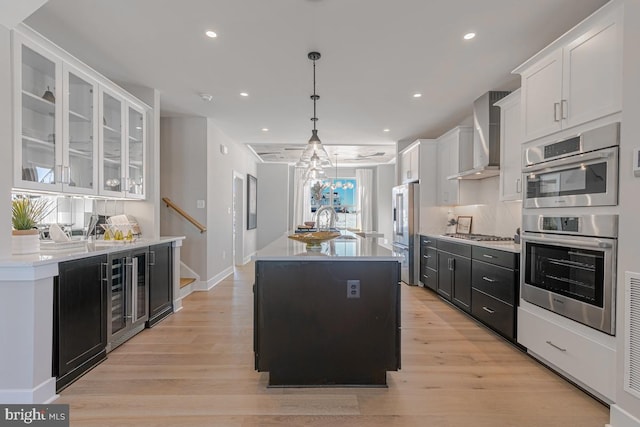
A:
(80, 318)
(576, 79)
(329, 318)
(454, 273)
(160, 282)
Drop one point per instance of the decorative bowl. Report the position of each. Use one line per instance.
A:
(314, 239)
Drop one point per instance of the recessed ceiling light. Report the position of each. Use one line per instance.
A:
(211, 34)
(244, 94)
(469, 36)
(265, 129)
(206, 97)
(385, 130)
(417, 95)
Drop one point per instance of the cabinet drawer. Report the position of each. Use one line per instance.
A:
(454, 248)
(430, 279)
(590, 362)
(496, 281)
(430, 257)
(496, 256)
(495, 313)
(428, 241)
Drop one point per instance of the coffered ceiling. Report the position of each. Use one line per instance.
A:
(376, 54)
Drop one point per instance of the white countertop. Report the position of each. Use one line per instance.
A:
(347, 247)
(507, 246)
(45, 257)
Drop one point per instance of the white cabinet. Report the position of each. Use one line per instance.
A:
(75, 132)
(578, 80)
(510, 146)
(409, 163)
(454, 155)
(586, 356)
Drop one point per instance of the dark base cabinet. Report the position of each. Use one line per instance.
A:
(454, 273)
(315, 326)
(428, 263)
(160, 282)
(80, 318)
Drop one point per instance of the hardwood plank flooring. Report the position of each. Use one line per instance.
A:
(196, 369)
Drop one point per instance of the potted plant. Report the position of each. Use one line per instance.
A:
(26, 213)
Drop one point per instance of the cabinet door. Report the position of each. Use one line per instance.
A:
(38, 118)
(511, 137)
(461, 282)
(80, 317)
(118, 300)
(136, 152)
(445, 274)
(160, 282)
(139, 286)
(593, 74)
(414, 164)
(80, 132)
(541, 96)
(447, 158)
(112, 145)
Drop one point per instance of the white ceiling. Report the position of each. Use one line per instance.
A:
(375, 55)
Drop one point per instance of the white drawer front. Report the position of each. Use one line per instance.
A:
(587, 361)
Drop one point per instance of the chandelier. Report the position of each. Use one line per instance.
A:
(339, 184)
(314, 157)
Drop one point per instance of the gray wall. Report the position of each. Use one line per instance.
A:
(6, 140)
(274, 201)
(183, 155)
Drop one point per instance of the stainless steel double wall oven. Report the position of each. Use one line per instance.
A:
(569, 255)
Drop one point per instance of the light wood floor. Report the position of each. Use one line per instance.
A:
(196, 369)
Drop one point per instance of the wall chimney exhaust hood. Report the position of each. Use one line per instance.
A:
(486, 138)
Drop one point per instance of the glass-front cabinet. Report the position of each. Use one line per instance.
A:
(80, 156)
(37, 87)
(75, 132)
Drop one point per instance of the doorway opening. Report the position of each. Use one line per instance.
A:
(238, 218)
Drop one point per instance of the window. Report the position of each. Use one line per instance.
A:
(339, 193)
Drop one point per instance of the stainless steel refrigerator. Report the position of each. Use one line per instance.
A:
(406, 217)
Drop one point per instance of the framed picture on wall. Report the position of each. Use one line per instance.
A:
(252, 202)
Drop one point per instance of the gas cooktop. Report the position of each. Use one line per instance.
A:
(480, 237)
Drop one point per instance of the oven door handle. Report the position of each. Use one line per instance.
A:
(571, 160)
(595, 244)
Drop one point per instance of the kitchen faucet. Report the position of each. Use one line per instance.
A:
(331, 220)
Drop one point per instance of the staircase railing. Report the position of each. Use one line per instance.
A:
(185, 215)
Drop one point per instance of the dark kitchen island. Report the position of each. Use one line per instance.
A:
(329, 318)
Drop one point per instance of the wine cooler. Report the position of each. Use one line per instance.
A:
(127, 274)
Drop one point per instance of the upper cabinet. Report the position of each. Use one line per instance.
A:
(409, 163)
(75, 131)
(511, 141)
(576, 79)
(455, 154)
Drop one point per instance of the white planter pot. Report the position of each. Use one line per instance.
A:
(25, 242)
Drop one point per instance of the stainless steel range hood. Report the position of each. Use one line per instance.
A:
(486, 138)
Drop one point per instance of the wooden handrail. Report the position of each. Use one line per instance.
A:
(186, 216)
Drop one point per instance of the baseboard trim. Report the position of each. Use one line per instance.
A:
(209, 284)
(45, 392)
(621, 418)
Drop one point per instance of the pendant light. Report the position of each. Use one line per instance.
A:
(314, 147)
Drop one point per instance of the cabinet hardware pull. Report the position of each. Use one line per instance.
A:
(453, 264)
(555, 346)
(556, 108)
(152, 256)
(426, 276)
(488, 279)
(426, 256)
(488, 310)
(427, 242)
(488, 256)
(564, 108)
(518, 185)
(103, 271)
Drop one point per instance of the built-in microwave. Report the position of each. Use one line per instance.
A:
(577, 171)
(570, 266)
